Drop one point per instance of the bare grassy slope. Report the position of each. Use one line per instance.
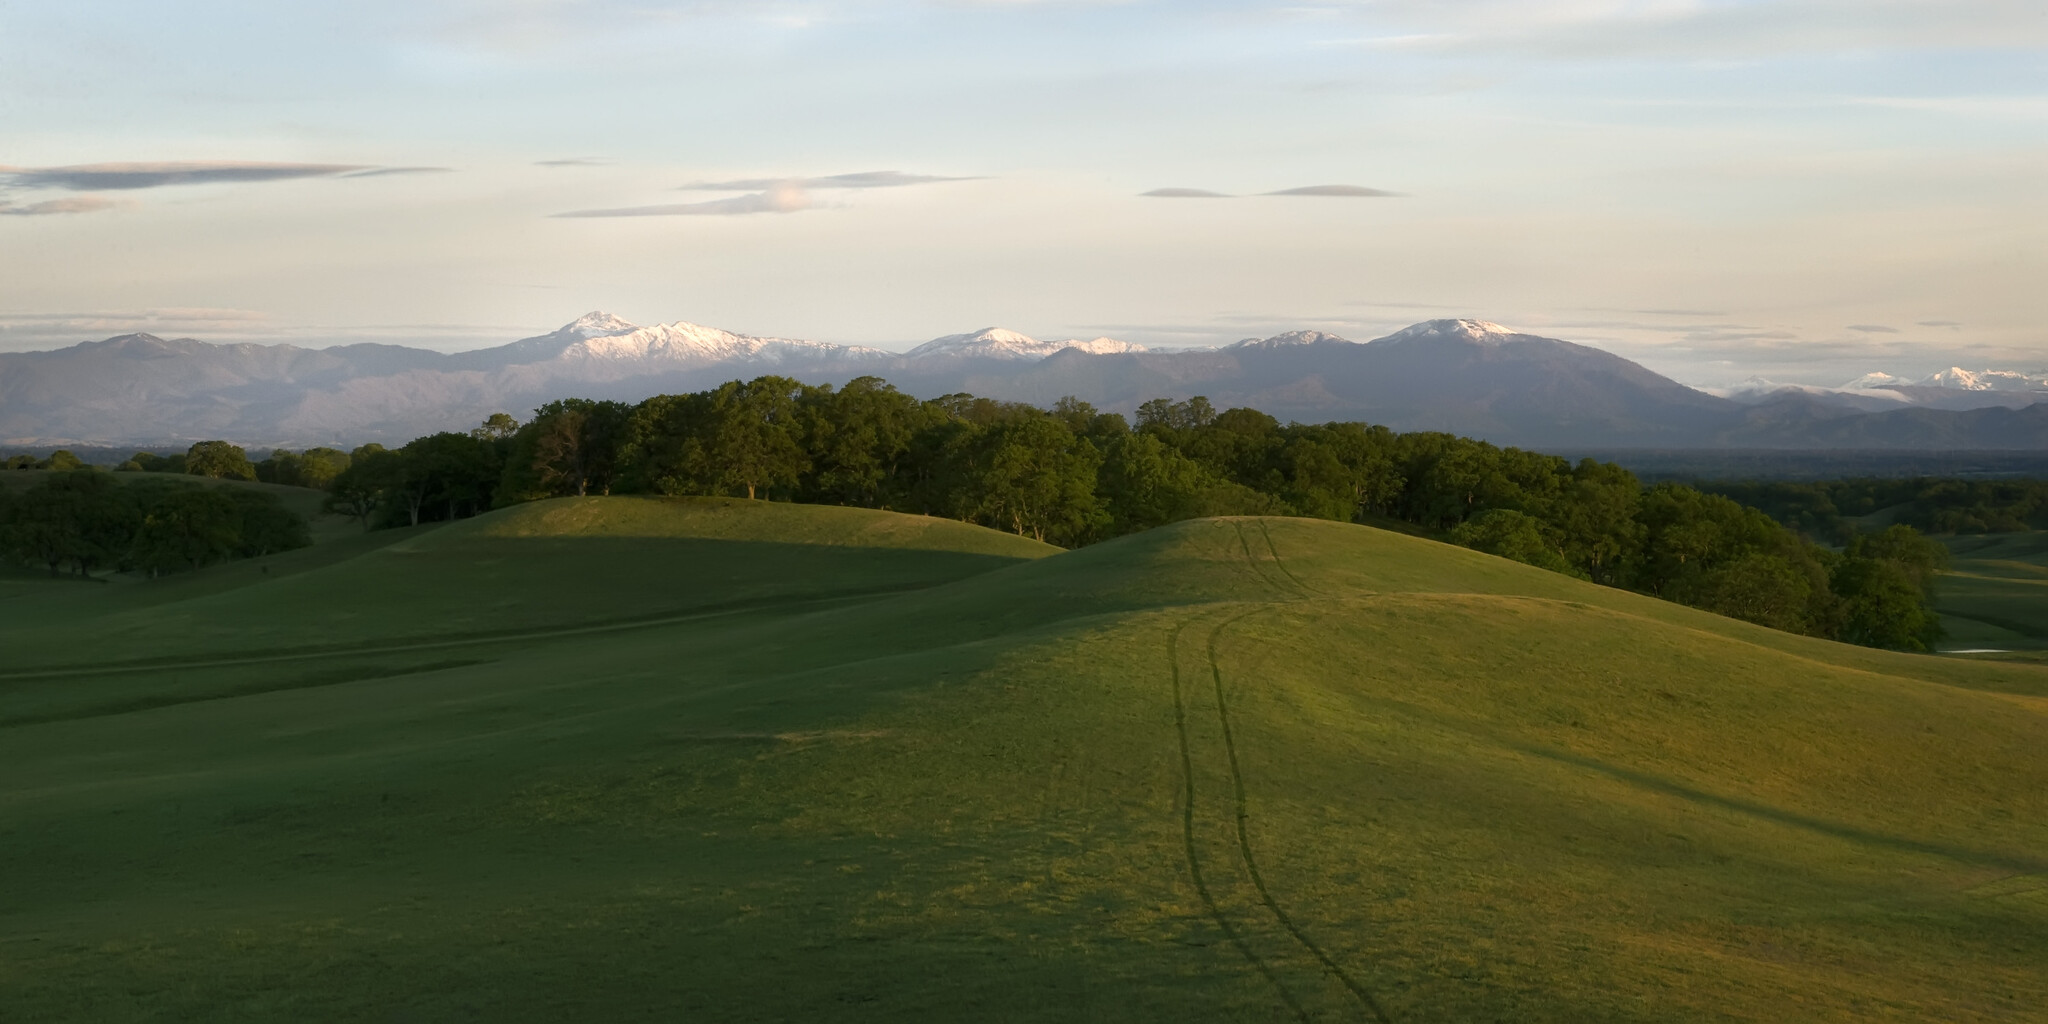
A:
(1229, 769)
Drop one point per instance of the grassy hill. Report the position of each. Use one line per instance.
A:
(629, 759)
(1996, 594)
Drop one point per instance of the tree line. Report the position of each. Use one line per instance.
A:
(1074, 475)
(1931, 504)
(81, 520)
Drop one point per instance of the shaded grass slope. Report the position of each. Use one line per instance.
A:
(1996, 592)
(1240, 769)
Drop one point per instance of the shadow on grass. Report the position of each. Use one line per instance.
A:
(151, 702)
(1775, 815)
(476, 590)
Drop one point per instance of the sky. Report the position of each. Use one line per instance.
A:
(1804, 191)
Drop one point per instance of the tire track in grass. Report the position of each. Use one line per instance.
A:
(1257, 564)
(1187, 826)
(1282, 563)
(1365, 998)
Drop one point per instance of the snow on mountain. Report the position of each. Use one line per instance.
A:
(1955, 378)
(998, 343)
(1757, 390)
(1952, 389)
(1984, 380)
(598, 324)
(1478, 332)
(684, 343)
(1290, 339)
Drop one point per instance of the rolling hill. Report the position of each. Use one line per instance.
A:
(619, 758)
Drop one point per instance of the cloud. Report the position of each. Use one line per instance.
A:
(87, 177)
(1355, 191)
(73, 204)
(1951, 324)
(1873, 329)
(378, 172)
(20, 331)
(1186, 193)
(781, 199)
(858, 179)
(1690, 28)
(574, 161)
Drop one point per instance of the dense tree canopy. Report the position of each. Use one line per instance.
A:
(314, 467)
(218, 459)
(86, 521)
(1824, 509)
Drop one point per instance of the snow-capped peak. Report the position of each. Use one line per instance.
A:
(1758, 388)
(1290, 339)
(1956, 378)
(598, 324)
(1757, 385)
(1985, 380)
(1481, 332)
(1000, 343)
(685, 342)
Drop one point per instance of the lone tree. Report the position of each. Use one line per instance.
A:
(218, 459)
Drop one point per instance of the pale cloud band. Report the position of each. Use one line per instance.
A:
(858, 179)
(379, 172)
(1343, 191)
(1350, 191)
(93, 177)
(766, 195)
(72, 204)
(782, 199)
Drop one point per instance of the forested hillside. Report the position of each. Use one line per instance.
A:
(1072, 475)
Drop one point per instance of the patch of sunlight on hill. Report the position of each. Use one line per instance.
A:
(1237, 769)
(550, 566)
(738, 519)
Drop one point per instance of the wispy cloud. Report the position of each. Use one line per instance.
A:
(1350, 191)
(782, 199)
(71, 204)
(378, 172)
(858, 179)
(574, 161)
(94, 177)
(1353, 191)
(1635, 30)
(1873, 329)
(1951, 324)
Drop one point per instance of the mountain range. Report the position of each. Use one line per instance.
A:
(1466, 376)
(1953, 388)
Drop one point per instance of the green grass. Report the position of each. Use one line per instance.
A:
(1995, 595)
(624, 759)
